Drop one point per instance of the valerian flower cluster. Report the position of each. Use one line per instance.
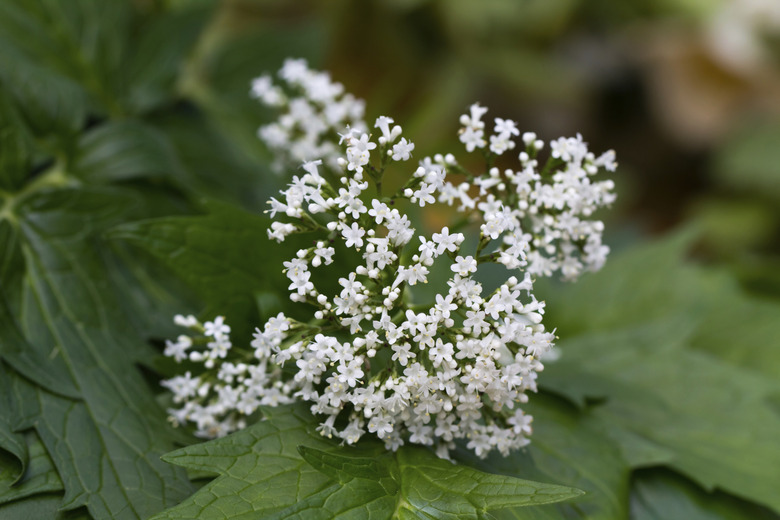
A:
(372, 360)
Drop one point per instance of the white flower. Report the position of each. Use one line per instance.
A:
(353, 235)
(464, 265)
(402, 151)
(216, 328)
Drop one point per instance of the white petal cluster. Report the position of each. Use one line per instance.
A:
(372, 360)
(543, 211)
(315, 109)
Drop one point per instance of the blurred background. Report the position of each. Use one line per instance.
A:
(686, 91)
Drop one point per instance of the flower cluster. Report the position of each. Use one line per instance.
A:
(371, 359)
(314, 107)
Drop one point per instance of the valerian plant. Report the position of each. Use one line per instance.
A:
(372, 359)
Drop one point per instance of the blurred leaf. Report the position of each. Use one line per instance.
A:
(220, 77)
(158, 59)
(663, 401)
(662, 495)
(123, 150)
(749, 161)
(51, 103)
(732, 227)
(214, 163)
(82, 41)
(16, 144)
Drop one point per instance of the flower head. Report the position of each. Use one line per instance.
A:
(371, 359)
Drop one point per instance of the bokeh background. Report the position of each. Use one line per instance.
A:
(686, 91)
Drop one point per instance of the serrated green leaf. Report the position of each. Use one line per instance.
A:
(663, 401)
(572, 449)
(264, 473)
(106, 447)
(260, 469)
(414, 483)
(123, 150)
(221, 256)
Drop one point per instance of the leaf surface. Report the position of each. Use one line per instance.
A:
(107, 445)
(663, 395)
(279, 467)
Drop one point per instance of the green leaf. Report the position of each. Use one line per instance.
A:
(665, 404)
(413, 483)
(85, 41)
(748, 161)
(215, 163)
(260, 469)
(11, 264)
(123, 150)
(16, 144)
(39, 476)
(226, 257)
(157, 58)
(106, 447)
(661, 495)
(38, 361)
(264, 473)
(571, 448)
(10, 441)
(40, 506)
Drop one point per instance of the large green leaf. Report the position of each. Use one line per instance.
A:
(413, 483)
(38, 477)
(662, 495)
(122, 150)
(10, 441)
(105, 446)
(41, 506)
(83, 42)
(157, 58)
(16, 144)
(280, 468)
(664, 401)
(570, 448)
(260, 470)
(225, 256)
(655, 282)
